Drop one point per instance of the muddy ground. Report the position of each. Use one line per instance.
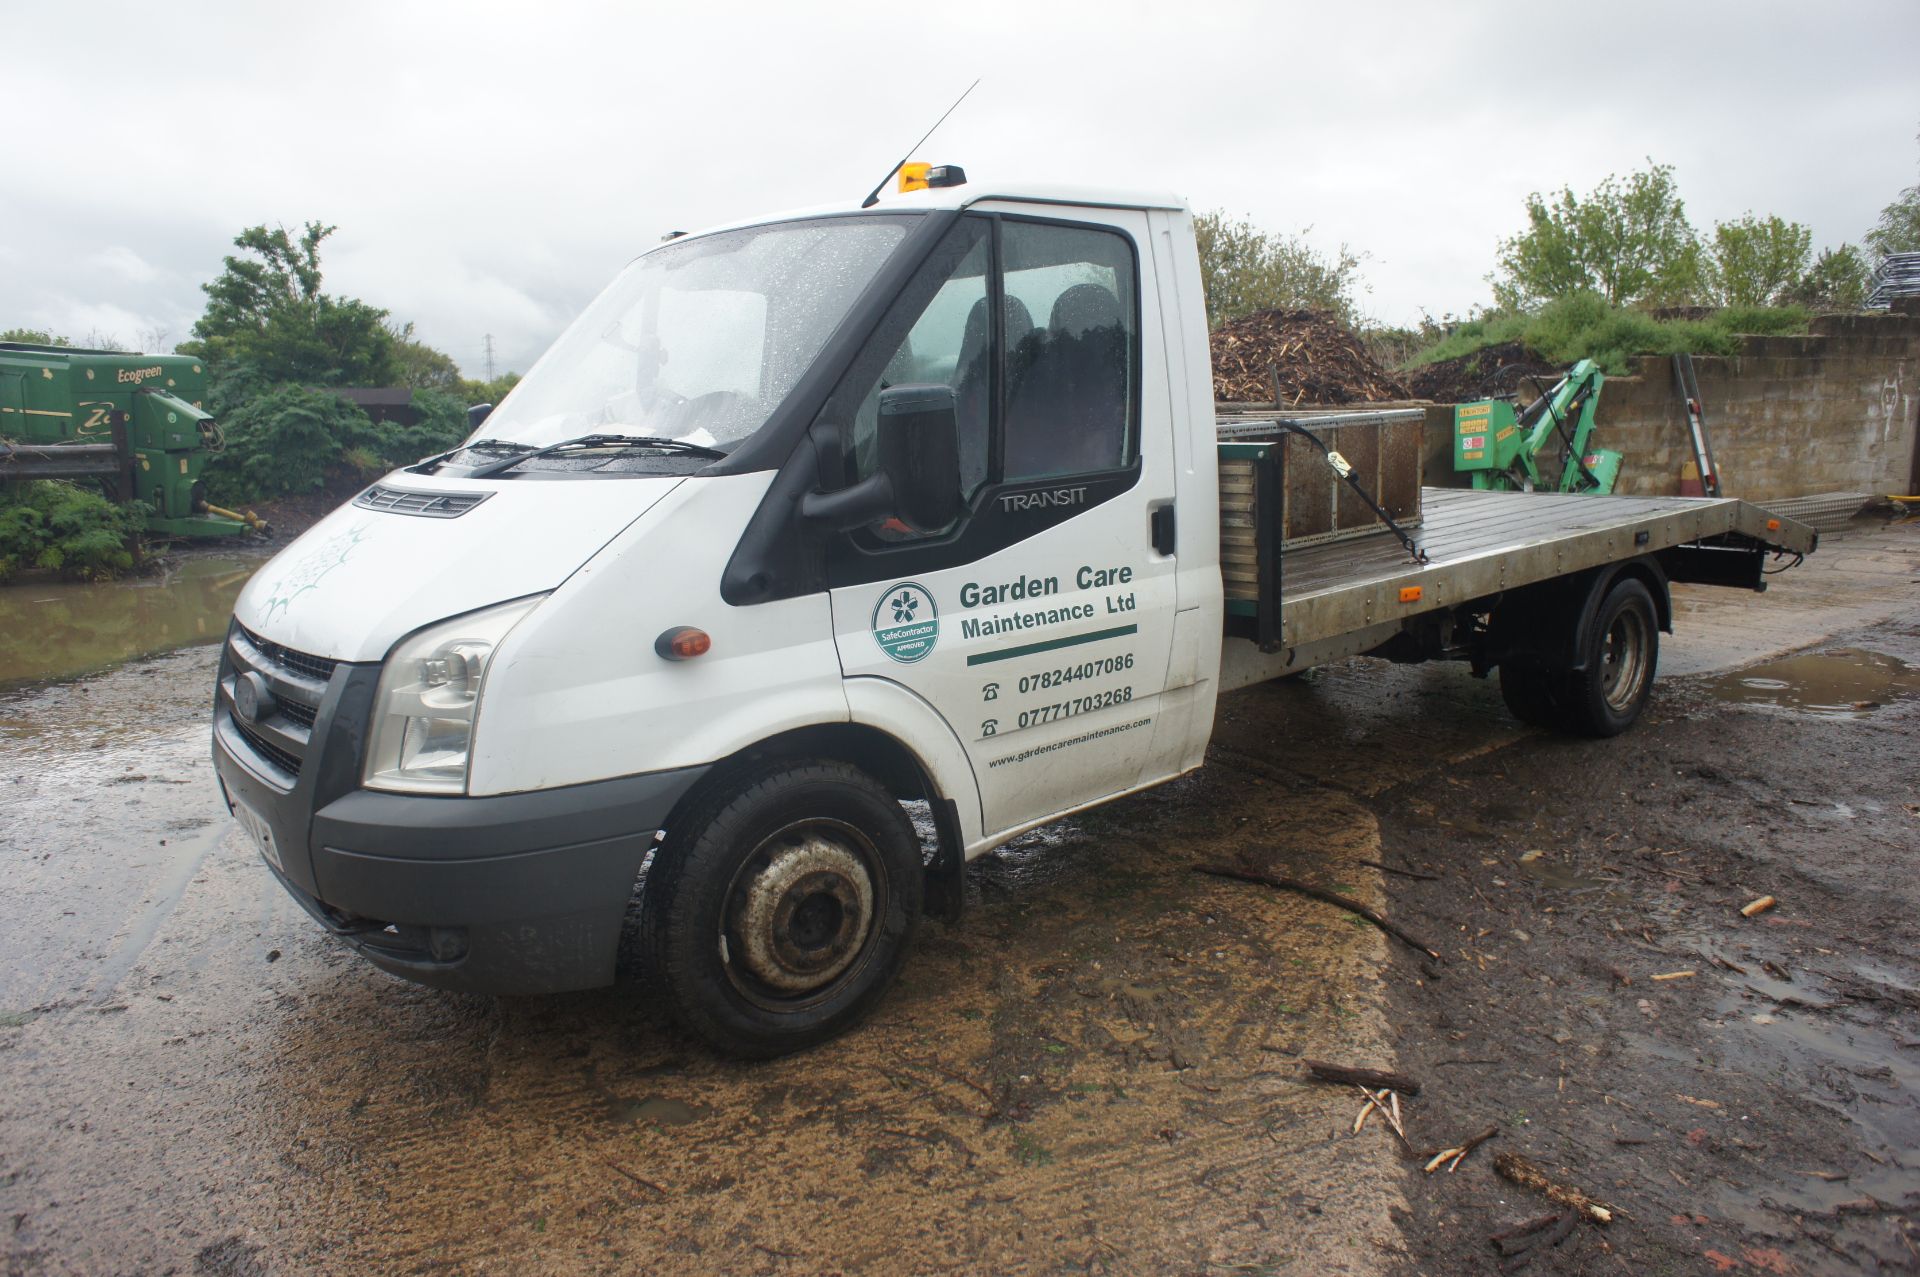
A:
(1097, 1070)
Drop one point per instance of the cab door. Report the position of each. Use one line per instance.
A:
(1039, 624)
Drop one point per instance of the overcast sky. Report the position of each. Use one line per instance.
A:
(490, 166)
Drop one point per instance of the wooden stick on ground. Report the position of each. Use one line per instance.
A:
(1458, 1152)
(1387, 1104)
(641, 1180)
(1524, 1230)
(1524, 1173)
(1320, 893)
(1395, 869)
(1348, 1075)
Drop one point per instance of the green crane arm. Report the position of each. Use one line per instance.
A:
(1566, 413)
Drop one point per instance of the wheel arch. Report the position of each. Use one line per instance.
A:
(1542, 624)
(894, 764)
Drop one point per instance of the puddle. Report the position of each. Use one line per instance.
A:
(1848, 682)
(658, 1110)
(1546, 872)
(58, 630)
(1796, 1029)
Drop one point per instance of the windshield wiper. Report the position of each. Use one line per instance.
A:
(595, 441)
(420, 466)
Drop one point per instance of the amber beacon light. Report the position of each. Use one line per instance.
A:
(682, 643)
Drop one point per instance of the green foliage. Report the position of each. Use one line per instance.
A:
(58, 526)
(287, 440)
(1838, 280)
(1898, 230)
(419, 366)
(1584, 326)
(442, 423)
(33, 337)
(1898, 227)
(1629, 241)
(1757, 261)
(266, 310)
(283, 442)
(492, 392)
(1245, 269)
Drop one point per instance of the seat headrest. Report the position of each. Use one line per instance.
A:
(1084, 307)
(1015, 318)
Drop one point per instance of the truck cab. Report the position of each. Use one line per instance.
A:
(803, 518)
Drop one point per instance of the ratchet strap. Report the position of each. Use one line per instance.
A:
(1345, 471)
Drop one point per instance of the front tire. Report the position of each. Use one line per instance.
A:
(781, 904)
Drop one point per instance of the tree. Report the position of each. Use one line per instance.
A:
(489, 392)
(1837, 280)
(267, 310)
(1245, 269)
(33, 337)
(1629, 241)
(1898, 230)
(419, 366)
(1757, 261)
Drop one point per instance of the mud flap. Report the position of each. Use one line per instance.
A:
(945, 896)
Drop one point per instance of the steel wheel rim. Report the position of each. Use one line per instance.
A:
(1623, 660)
(801, 914)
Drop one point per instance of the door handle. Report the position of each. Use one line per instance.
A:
(1164, 532)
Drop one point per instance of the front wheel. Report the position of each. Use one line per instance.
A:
(780, 907)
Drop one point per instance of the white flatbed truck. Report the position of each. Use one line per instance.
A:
(814, 516)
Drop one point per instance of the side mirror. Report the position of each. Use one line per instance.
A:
(477, 414)
(919, 451)
(917, 475)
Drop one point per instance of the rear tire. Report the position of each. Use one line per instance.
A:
(781, 904)
(1532, 693)
(1621, 651)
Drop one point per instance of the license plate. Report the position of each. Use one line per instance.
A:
(260, 831)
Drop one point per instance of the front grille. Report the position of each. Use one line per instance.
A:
(280, 730)
(286, 762)
(430, 505)
(319, 667)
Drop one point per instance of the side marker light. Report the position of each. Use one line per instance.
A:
(682, 643)
(1409, 594)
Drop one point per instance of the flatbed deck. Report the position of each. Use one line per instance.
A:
(1347, 597)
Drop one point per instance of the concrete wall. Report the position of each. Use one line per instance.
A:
(1789, 416)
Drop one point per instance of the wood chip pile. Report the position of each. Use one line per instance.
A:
(1312, 356)
(1492, 370)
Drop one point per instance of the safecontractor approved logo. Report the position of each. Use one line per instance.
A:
(906, 624)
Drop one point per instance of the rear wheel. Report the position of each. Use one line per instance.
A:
(1621, 648)
(1532, 693)
(780, 906)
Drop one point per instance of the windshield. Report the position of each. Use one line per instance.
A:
(700, 340)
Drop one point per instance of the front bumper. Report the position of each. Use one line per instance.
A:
(515, 893)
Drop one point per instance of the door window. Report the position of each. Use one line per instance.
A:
(1070, 390)
(948, 344)
(1044, 389)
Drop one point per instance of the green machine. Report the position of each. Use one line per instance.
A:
(134, 422)
(1502, 448)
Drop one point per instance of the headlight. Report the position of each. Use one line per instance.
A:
(429, 691)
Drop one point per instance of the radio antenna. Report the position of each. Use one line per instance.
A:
(874, 196)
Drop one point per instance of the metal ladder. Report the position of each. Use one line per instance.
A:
(1687, 387)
